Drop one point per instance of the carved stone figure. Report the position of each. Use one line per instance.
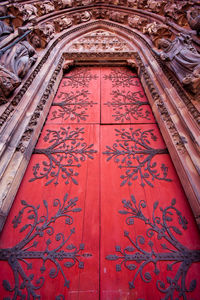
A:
(82, 17)
(63, 23)
(42, 35)
(137, 22)
(156, 6)
(118, 17)
(45, 8)
(60, 4)
(183, 59)
(193, 16)
(8, 82)
(15, 64)
(157, 31)
(23, 13)
(132, 3)
(5, 30)
(177, 12)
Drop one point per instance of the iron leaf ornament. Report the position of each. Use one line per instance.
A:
(79, 78)
(132, 151)
(127, 105)
(72, 106)
(65, 153)
(63, 256)
(120, 78)
(139, 254)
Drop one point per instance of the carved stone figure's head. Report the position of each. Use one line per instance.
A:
(35, 41)
(164, 44)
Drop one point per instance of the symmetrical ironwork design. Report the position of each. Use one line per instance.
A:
(20, 257)
(132, 151)
(79, 78)
(139, 254)
(122, 78)
(72, 105)
(127, 105)
(65, 153)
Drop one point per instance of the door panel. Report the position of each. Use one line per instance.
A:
(145, 237)
(78, 98)
(122, 98)
(100, 213)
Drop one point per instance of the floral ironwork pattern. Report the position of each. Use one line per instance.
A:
(65, 153)
(128, 104)
(132, 151)
(120, 78)
(136, 254)
(79, 78)
(72, 105)
(63, 255)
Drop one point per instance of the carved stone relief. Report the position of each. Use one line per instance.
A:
(99, 41)
(23, 13)
(45, 7)
(15, 64)
(157, 31)
(183, 59)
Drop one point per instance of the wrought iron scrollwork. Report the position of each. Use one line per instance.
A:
(120, 78)
(139, 253)
(65, 153)
(63, 255)
(79, 78)
(72, 106)
(133, 151)
(127, 105)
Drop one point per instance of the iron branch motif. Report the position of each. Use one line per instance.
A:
(128, 104)
(121, 78)
(133, 152)
(138, 255)
(19, 257)
(79, 78)
(65, 153)
(72, 105)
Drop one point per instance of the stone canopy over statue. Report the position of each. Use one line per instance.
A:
(183, 59)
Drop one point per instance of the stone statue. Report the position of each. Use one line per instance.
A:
(23, 13)
(60, 4)
(193, 16)
(45, 8)
(183, 59)
(137, 22)
(5, 30)
(42, 35)
(156, 31)
(15, 64)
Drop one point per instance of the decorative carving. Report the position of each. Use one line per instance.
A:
(23, 13)
(61, 4)
(5, 30)
(183, 59)
(127, 105)
(132, 3)
(65, 152)
(99, 41)
(42, 34)
(8, 83)
(20, 256)
(159, 228)
(157, 31)
(82, 17)
(15, 64)
(118, 17)
(63, 23)
(45, 7)
(193, 17)
(137, 22)
(79, 78)
(133, 152)
(156, 6)
(177, 11)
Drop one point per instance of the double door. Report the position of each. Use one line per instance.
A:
(100, 213)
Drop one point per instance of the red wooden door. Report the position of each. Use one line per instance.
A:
(100, 213)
